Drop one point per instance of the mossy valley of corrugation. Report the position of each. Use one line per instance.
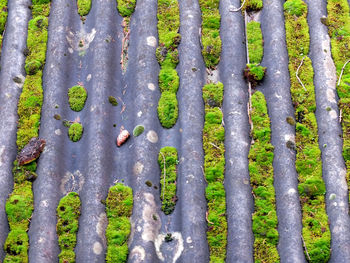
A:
(3, 19)
(168, 161)
(68, 212)
(316, 233)
(84, 7)
(119, 204)
(338, 23)
(19, 206)
(167, 55)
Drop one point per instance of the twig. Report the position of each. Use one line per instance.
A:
(340, 115)
(296, 74)
(164, 173)
(237, 9)
(217, 147)
(307, 253)
(204, 175)
(206, 217)
(341, 73)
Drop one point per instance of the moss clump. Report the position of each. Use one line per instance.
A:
(339, 31)
(308, 159)
(77, 96)
(252, 5)
(68, 212)
(255, 42)
(168, 157)
(75, 131)
(119, 205)
(112, 100)
(167, 55)
(84, 7)
(211, 40)
(214, 168)
(168, 109)
(261, 178)
(126, 7)
(3, 19)
(138, 130)
(254, 73)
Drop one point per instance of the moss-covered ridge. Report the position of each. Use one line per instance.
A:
(68, 212)
(338, 22)
(167, 55)
(3, 19)
(119, 205)
(211, 40)
(214, 168)
(20, 203)
(311, 187)
(261, 179)
(167, 160)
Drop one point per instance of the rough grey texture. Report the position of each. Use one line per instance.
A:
(276, 88)
(329, 130)
(12, 65)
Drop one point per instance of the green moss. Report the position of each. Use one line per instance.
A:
(261, 178)
(255, 42)
(84, 7)
(77, 96)
(308, 159)
(138, 130)
(168, 80)
(126, 7)
(68, 212)
(112, 100)
(254, 73)
(211, 40)
(339, 31)
(252, 5)
(168, 157)
(168, 109)
(75, 131)
(3, 19)
(20, 204)
(119, 205)
(214, 168)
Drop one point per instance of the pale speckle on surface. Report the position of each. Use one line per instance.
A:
(333, 114)
(2, 150)
(70, 50)
(139, 229)
(152, 136)
(97, 248)
(151, 227)
(138, 168)
(178, 247)
(151, 86)
(92, 108)
(58, 132)
(331, 95)
(152, 41)
(291, 191)
(139, 114)
(137, 254)
(44, 203)
(332, 196)
(289, 137)
(88, 78)
(189, 240)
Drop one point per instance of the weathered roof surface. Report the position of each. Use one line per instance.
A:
(88, 52)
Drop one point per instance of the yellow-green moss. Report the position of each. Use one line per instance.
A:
(167, 55)
(75, 131)
(84, 7)
(168, 157)
(126, 7)
(252, 5)
(255, 42)
(261, 179)
(311, 187)
(3, 19)
(20, 204)
(77, 96)
(211, 40)
(68, 212)
(214, 168)
(119, 205)
(339, 30)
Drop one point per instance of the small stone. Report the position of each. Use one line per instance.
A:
(122, 137)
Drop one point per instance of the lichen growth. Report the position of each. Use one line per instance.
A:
(167, 160)
(339, 31)
(261, 179)
(214, 168)
(138, 130)
(20, 204)
(211, 41)
(77, 97)
(119, 204)
(167, 55)
(311, 187)
(84, 7)
(75, 131)
(68, 212)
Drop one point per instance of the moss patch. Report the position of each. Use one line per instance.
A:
(261, 179)
(68, 212)
(3, 19)
(84, 7)
(214, 168)
(254, 73)
(20, 204)
(119, 205)
(255, 42)
(211, 40)
(167, 55)
(308, 160)
(126, 7)
(75, 131)
(252, 5)
(168, 157)
(112, 100)
(77, 97)
(138, 130)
